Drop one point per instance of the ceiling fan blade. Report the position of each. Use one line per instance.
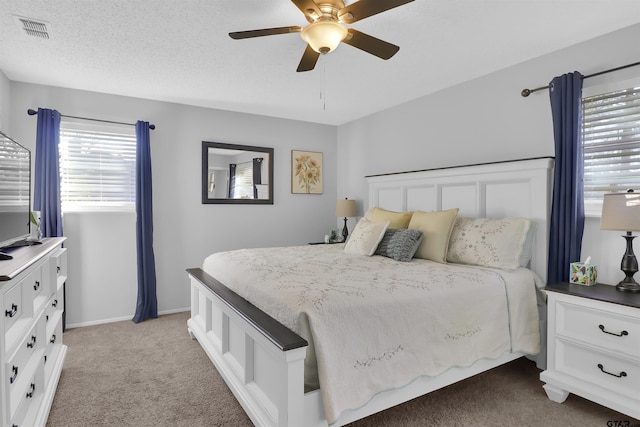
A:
(264, 32)
(370, 44)
(366, 8)
(310, 9)
(309, 59)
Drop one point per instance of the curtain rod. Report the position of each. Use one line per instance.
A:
(33, 112)
(527, 92)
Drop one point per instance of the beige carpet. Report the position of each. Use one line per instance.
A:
(153, 374)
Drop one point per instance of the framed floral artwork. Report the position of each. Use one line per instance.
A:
(306, 172)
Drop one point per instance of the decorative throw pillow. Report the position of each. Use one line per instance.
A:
(399, 244)
(436, 228)
(398, 219)
(365, 237)
(489, 242)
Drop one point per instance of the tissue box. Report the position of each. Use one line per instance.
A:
(583, 274)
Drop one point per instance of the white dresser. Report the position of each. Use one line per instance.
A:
(31, 350)
(593, 347)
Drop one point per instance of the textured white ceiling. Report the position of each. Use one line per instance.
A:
(179, 51)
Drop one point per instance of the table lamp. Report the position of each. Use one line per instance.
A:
(621, 211)
(346, 208)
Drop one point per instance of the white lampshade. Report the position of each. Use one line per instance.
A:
(621, 211)
(323, 36)
(346, 208)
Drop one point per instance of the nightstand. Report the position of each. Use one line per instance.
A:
(593, 346)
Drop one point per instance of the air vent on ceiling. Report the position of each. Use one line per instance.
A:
(33, 27)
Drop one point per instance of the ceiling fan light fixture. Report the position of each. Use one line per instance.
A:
(324, 36)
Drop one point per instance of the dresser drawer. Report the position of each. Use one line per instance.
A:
(603, 328)
(13, 307)
(35, 283)
(17, 365)
(52, 350)
(617, 374)
(24, 403)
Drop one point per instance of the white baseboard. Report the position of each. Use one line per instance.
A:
(120, 319)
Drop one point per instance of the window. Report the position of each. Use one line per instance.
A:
(611, 143)
(97, 167)
(244, 181)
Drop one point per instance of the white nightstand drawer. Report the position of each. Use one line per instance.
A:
(604, 370)
(603, 328)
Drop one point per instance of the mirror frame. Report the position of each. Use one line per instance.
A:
(205, 174)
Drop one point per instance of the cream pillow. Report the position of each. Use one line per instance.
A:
(491, 242)
(436, 228)
(365, 237)
(397, 219)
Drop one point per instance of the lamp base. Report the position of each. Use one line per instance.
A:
(625, 286)
(629, 266)
(345, 231)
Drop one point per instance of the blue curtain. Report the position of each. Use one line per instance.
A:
(567, 209)
(147, 304)
(46, 193)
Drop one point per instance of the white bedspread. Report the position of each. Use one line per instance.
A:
(377, 324)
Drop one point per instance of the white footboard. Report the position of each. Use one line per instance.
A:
(261, 361)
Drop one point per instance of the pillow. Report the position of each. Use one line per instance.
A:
(489, 242)
(527, 247)
(365, 237)
(436, 228)
(399, 244)
(398, 219)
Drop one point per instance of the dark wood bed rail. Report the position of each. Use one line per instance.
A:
(281, 336)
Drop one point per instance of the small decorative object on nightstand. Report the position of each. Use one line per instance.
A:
(621, 211)
(346, 208)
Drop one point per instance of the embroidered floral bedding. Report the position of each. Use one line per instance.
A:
(374, 323)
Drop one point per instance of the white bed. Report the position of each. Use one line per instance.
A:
(262, 359)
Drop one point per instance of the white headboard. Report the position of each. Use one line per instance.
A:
(519, 188)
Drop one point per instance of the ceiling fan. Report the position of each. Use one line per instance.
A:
(326, 28)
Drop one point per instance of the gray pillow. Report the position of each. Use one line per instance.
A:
(399, 244)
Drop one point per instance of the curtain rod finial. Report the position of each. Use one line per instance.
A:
(152, 127)
(525, 92)
(31, 112)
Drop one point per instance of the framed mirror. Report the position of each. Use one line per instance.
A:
(236, 174)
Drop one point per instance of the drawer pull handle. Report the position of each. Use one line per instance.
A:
(36, 286)
(55, 303)
(45, 358)
(12, 312)
(53, 339)
(621, 334)
(14, 374)
(32, 389)
(58, 269)
(32, 343)
(620, 375)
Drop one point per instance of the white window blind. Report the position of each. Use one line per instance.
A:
(611, 143)
(97, 167)
(244, 181)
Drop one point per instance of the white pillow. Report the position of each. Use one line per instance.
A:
(365, 237)
(490, 242)
(527, 247)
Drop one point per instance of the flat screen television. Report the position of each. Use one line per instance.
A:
(15, 193)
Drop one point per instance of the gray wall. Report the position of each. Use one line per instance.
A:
(486, 120)
(102, 283)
